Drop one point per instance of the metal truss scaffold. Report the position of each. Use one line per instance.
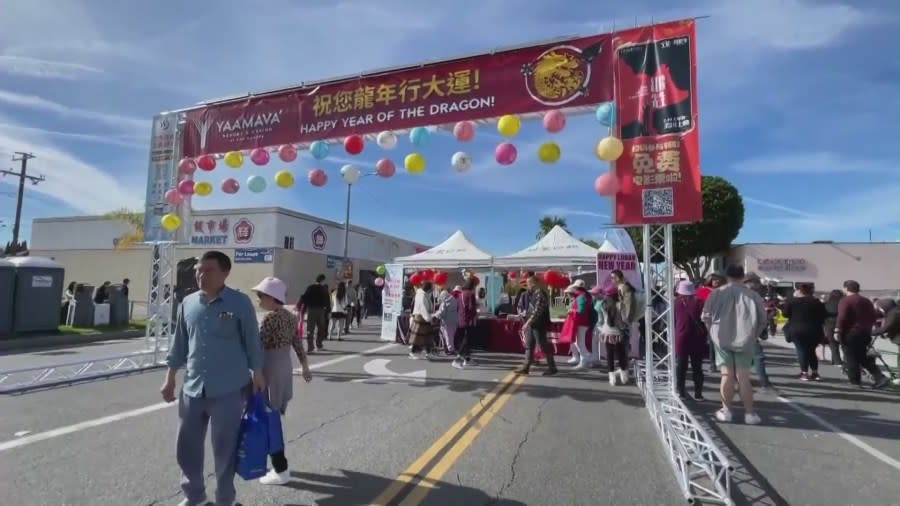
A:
(163, 269)
(701, 469)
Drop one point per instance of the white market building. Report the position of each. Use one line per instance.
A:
(269, 241)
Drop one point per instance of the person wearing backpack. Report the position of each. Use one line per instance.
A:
(580, 314)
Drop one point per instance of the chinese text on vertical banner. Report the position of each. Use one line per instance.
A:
(656, 107)
(160, 176)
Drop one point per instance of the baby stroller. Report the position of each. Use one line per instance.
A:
(875, 354)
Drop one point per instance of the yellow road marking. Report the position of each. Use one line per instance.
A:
(412, 472)
(440, 468)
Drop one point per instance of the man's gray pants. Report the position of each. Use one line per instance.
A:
(223, 414)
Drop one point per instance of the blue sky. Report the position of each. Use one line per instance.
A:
(799, 108)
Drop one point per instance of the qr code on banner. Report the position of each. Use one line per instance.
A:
(658, 202)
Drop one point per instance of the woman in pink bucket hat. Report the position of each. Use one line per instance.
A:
(278, 333)
(610, 333)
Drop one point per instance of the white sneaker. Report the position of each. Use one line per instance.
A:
(752, 419)
(581, 366)
(414, 356)
(187, 502)
(723, 415)
(612, 378)
(273, 478)
(459, 364)
(623, 376)
(574, 360)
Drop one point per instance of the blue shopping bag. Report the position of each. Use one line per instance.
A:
(253, 449)
(276, 436)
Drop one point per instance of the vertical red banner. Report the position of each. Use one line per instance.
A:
(656, 111)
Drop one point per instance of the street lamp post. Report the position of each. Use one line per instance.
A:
(347, 218)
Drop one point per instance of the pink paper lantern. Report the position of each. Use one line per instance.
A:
(464, 131)
(206, 162)
(606, 184)
(186, 187)
(505, 153)
(287, 153)
(379, 281)
(259, 156)
(385, 167)
(318, 177)
(174, 197)
(230, 185)
(554, 121)
(187, 166)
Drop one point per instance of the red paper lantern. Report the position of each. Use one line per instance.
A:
(353, 144)
(564, 282)
(206, 162)
(512, 274)
(427, 275)
(440, 278)
(415, 279)
(551, 277)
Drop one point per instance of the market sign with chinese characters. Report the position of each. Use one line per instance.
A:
(221, 231)
(781, 264)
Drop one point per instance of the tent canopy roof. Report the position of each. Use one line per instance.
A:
(456, 251)
(556, 249)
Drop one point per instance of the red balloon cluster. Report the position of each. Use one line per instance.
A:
(415, 279)
(436, 277)
(440, 278)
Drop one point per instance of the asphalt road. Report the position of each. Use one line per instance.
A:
(566, 440)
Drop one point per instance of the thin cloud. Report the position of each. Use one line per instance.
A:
(876, 208)
(47, 69)
(35, 102)
(565, 211)
(779, 207)
(69, 179)
(820, 162)
(92, 138)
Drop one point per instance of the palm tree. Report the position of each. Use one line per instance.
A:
(546, 224)
(134, 219)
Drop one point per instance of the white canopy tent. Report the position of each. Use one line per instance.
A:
(556, 249)
(457, 251)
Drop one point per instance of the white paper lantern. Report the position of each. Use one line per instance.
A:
(350, 174)
(461, 161)
(386, 140)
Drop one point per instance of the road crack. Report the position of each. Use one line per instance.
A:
(515, 459)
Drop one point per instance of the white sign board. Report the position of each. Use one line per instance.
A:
(41, 281)
(101, 314)
(392, 301)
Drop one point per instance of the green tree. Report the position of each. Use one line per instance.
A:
(590, 242)
(694, 244)
(134, 219)
(546, 224)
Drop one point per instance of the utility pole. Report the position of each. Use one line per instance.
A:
(19, 156)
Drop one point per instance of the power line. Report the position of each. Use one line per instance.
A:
(19, 156)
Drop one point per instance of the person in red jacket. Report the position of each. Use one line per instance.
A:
(856, 317)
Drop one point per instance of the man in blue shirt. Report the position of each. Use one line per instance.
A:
(217, 340)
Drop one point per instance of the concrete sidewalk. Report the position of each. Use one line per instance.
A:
(43, 342)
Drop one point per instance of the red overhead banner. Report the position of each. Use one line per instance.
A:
(656, 114)
(570, 73)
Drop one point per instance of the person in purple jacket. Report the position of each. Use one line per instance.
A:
(690, 339)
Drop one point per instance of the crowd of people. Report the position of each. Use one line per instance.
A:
(228, 354)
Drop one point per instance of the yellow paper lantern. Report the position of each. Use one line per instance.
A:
(414, 163)
(203, 188)
(609, 149)
(234, 159)
(549, 152)
(170, 221)
(284, 178)
(508, 125)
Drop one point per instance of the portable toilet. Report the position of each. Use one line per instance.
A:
(118, 306)
(38, 294)
(84, 305)
(7, 288)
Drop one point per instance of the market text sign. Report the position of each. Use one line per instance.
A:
(658, 173)
(781, 264)
(575, 72)
(616, 261)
